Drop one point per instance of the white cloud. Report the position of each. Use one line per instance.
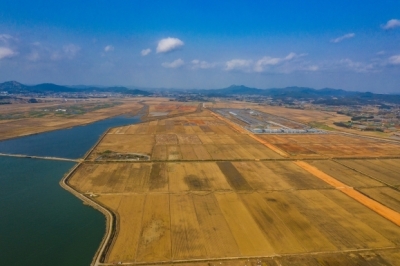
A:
(169, 44)
(238, 64)
(175, 64)
(202, 64)
(290, 56)
(391, 24)
(71, 50)
(6, 52)
(109, 48)
(145, 52)
(357, 66)
(394, 60)
(286, 64)
(5, 38)
(344, 37)
(381, 53)
(268, 61)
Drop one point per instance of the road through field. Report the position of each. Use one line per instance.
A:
(384, 211)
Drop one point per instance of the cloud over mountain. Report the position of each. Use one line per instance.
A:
(238, 64)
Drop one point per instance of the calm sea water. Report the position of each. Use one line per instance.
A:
(41, 223)
(66, 143)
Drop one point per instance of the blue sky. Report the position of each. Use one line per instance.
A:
(353, 45)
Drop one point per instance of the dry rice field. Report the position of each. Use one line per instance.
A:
(163, 108)
(192, 137)
(214, 210)
(213, 195)
(332, 145)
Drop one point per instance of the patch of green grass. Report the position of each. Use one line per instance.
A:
(321, 126)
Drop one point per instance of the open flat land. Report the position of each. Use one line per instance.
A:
(316, 118)
(332, 145)
(213, 193)
(25, 119)
(170, 108)
(194, 137)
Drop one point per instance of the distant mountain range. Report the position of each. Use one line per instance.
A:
(295, 92)
(16, 87)
(326, 96)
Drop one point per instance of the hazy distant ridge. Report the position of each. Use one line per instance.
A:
(16, 87)
(323, 96)
(288, 91)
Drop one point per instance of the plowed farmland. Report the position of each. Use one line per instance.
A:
(211, 194)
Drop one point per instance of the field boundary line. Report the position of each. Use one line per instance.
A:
(374, 205)
(377, 179)
(172, 262)
(368, 137)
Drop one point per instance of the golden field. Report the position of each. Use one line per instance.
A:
(332, 145)
(193, 137)
(212, 210)
(213, 193)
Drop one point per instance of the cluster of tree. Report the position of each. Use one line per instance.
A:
(358, 118)
(374, 129)
(342, 124)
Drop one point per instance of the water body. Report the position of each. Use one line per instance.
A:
(70, 143)
(41, 223)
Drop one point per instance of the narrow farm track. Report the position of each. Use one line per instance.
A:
(377, 207)
(219, 261)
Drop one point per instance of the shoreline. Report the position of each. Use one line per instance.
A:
(66, 127)
(99, 256)
(111, 227)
